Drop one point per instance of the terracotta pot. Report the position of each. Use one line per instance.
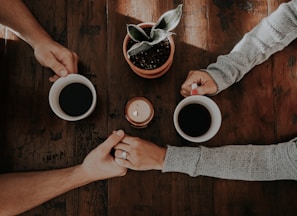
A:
(150, 74)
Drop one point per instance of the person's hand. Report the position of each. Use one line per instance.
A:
(206, 85)
(60, 59)
(140, 154)
(100, 164)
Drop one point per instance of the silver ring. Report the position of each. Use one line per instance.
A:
(124, 155)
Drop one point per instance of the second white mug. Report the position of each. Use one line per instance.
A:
(197, 118)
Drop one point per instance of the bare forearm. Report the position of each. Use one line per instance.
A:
(16, 15)
(31, 189)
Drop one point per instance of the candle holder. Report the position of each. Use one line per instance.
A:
(139, 112)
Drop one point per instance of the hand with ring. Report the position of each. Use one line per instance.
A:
(124, 155)
(138, 154)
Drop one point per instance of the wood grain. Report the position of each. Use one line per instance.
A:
(260, 109)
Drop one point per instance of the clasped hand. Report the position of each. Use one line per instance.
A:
(138, 154)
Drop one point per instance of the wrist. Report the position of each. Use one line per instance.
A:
(81, 175)
(162, 154)
(34, 39)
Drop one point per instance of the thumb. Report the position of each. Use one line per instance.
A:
(59, 69)
(112, 140)
(200, 90)
(123, 163)
(196, 90)
(207, 88)
(50, 60)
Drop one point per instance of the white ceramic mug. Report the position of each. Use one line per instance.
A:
(214, 112)
(57, 88)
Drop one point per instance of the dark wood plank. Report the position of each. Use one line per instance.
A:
(254, 96)
(86, 34)
(223, 21)
(151, 193)
(128, 195)
(245, 119)
(284, 90)
(36, 138)
(260, 109)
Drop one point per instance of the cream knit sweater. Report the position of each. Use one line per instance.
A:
(247, 162)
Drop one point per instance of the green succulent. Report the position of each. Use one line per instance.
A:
(160, 31)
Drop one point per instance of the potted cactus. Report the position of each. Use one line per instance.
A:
(149, 47)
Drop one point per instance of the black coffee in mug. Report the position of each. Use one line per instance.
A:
(194, 119)
(75, 99)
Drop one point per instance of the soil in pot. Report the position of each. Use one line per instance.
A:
(152, 58)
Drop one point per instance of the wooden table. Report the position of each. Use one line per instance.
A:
(261, 109)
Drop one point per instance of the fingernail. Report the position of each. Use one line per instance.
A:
(63, 73)
(120, 133)
(194, 89)
(194, 85)
(194, 92)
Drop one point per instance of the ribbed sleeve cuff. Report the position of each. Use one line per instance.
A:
(182, 159)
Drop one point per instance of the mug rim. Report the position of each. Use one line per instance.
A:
(214, 111)
(56, 89)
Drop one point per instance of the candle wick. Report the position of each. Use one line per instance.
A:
(135, 113)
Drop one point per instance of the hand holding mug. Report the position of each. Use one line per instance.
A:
(55, 56)
(206, 85)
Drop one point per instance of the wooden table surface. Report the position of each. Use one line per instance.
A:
(261, 109)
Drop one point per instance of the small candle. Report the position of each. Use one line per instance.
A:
(139, 111)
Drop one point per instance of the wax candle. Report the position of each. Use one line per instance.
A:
(139, 111)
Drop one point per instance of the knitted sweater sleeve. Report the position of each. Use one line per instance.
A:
(237, 162)
(272, 34)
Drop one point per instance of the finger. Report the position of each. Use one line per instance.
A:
(119, 154)
(111, 141)
(69, 60)
(185, 90)
(123, 163)
(190, 79)
(194, 89)
(208, 88)
(201, 90)
(184, 93)
(124, 172)
(54, 78)
(129, 140)
(186, 87)
(123, 147)
(58, 68)
(63, 61)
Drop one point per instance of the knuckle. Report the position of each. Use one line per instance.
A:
(137, 141)
(68, 54)
(124, 172)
